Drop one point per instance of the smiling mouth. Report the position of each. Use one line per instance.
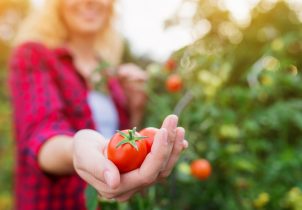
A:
(90, 15)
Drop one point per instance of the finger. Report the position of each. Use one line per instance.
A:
(132, 72)
(150, 168)
(170, 124)
(177, 149)
(155, 160)
(96, 183)
(138, 75)
(137, 86)
(185, 144)
(92, 160)
(104, 190)
(120, 193)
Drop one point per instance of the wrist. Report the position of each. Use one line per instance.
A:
(55, 156)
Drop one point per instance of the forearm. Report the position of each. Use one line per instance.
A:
(55, 156)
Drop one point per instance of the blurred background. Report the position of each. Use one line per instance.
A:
(237, 90)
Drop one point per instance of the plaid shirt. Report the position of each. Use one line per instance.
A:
(49, 98)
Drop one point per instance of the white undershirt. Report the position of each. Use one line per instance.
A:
(104, 113)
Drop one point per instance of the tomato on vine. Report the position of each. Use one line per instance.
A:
(170, 64)
(149, 133)
(201, 169)
(127, 149)
(174, 83)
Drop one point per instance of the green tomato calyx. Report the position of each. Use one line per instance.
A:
(130, 138)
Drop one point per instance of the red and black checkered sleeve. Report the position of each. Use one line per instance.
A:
(36, 101)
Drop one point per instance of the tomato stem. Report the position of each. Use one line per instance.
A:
(130, 138)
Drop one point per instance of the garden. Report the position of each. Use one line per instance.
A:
(237, 91)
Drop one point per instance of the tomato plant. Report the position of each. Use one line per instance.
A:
(149, 133)
(127, 149)
(201, 169)
(170, 65)
(174, 83)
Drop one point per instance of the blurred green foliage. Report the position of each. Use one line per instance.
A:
(241, 106)
(243, 97)
(11, 13)
(6, 147)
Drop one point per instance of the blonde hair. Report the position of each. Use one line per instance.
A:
(47, 27)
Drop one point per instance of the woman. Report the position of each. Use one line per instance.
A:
(56, 109)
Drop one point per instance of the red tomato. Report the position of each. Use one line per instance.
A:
(174, 83)
(127, 149)
(201, 169)
(150, 134)
(170, 64)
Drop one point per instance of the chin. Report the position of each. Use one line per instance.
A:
(92, 26)
(90, 29)
(89, 32)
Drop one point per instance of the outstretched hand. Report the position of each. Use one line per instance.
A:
(91, 163)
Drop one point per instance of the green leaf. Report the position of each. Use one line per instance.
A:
(91, 197)
(125, 141)
(103, 65)
(130, 138)
(123, 134)
(139, 138)
(134, 145)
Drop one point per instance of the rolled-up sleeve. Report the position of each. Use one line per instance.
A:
(38, 108)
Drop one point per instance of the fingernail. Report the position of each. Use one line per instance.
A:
(108, 178)
(174, 122)
(185, 144)
(175, 117)
(182, 130)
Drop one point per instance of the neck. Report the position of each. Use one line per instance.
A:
(82, 46)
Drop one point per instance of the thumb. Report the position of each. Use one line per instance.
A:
(91, 149)
(111, 174)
